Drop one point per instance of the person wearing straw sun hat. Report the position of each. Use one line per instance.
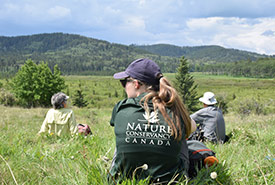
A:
(151, 126)
(210, 119)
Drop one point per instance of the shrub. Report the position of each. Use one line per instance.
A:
(7, 98)
(34, 84)
(249, 106)
(222, 103)
(243, 135)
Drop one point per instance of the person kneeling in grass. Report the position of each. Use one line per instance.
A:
(60, 120)
(211, 125)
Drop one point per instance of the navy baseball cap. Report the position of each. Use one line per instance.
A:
(142, 69)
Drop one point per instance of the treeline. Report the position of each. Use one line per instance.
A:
(202, 53)
(262, 68)
(72, 65)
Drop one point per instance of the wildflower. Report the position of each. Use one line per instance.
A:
(144, 167)
(72, 157)
(213, 175)
(105, 159)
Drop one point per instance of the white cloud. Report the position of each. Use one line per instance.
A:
(135, 23)
(269, 33)
(59, 12)
(9, 7)
(245, 24)
(142, 2)
(8, 11)
(232, 32)
(32, 13)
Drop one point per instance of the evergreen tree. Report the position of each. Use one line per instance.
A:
(116, 94)
(79, 100)
(35, 84)
(185, 85)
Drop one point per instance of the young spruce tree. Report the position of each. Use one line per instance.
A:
(79, 99)
(185, 85)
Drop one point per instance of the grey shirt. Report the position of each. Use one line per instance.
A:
(211, 119)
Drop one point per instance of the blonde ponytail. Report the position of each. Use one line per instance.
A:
(164, 95)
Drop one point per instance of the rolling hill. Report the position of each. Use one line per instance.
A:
(76, 54)
(202, 53)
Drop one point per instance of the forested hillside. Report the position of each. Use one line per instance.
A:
(209, 54)
(218, 60)
(79, 55)
(74, 54)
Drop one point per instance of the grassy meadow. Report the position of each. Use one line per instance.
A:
(248, 157)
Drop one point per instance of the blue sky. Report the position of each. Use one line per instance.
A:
(241, 24)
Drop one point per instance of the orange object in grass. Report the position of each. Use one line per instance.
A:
(210, 161)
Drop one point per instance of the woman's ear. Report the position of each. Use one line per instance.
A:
(137, 84)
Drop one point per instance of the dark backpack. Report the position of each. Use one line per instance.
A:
(199, 157)
(198, 134)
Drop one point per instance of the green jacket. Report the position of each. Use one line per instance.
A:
(139, 142)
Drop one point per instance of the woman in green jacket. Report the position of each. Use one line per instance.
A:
(151, 126)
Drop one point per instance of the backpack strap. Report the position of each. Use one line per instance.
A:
(201, 150)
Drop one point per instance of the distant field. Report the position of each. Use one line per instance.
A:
(105, 91)
(242, 89)
(249, 157)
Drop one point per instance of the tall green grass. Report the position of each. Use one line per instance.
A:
(49, 160)
(248, 158)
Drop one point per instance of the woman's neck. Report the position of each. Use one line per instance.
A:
(141, 90)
